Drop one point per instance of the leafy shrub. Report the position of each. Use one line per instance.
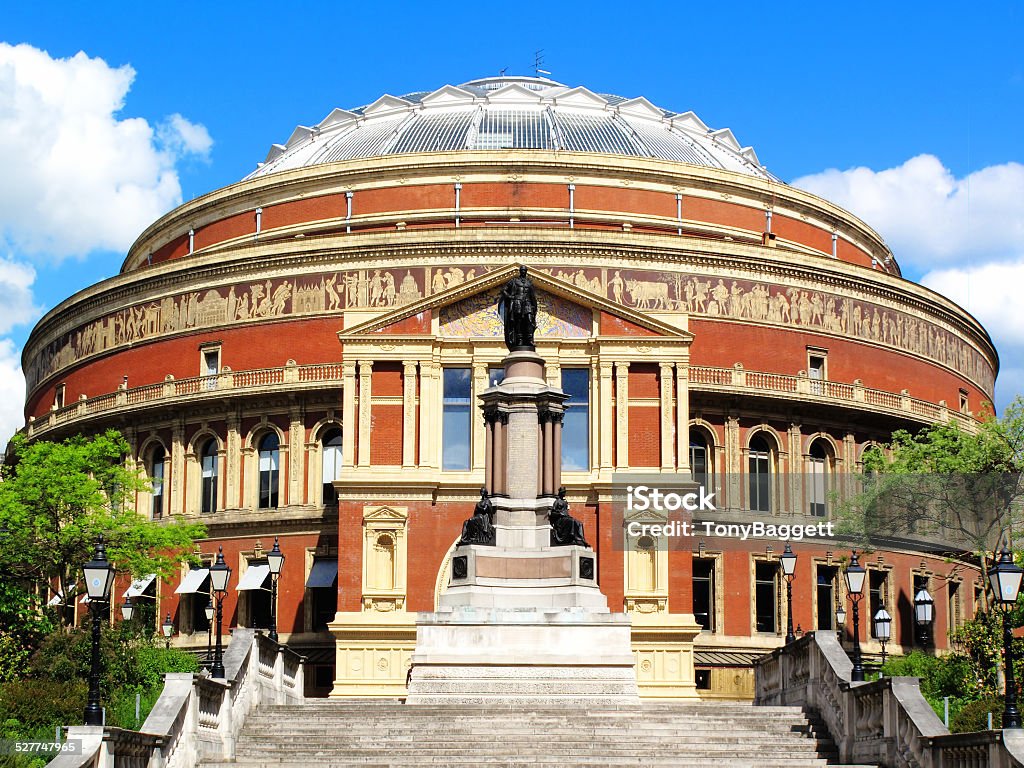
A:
(974, 716)
(38, 703)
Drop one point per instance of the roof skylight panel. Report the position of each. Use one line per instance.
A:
(665, 144)
(367, 140)
(593, 133)
(435, 132)
(513, 129)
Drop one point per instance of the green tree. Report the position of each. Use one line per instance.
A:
(56, 498)
(946, 483)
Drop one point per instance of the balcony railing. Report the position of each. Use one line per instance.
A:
(292, 376)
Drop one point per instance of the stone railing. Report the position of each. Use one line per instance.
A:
(886, 722)
(197, 717)
(737, 378)
(290, 376)
(293, 376)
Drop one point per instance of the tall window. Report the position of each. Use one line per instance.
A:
(953, 618)
(765, 596)
(457, 426)
(816, 372)
(156, 471)
(330, 446)
(826, 595)
(876, 595)
(818, 466)
(704, 593)
(270, 461)
(759, 471)
(211, 366)
(576, 425)
(699, 457)
(209, 485)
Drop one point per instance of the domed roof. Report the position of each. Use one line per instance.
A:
(521, 113)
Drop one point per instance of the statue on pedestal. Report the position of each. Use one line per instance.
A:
(479, 529)
(518, 310)
(566, 530)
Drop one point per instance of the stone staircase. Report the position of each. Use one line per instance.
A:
(389, 734)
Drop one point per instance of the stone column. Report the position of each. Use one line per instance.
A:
(548, 452)
(430, 407)
(489, 416)
(605, 421)
(409, 413)
(556, 453)
(477, 427)
(296, 441)
(348, 415)
(683, 418)
(622, 414)
(177, 504)
(233, 446)
(365, 373)
(667, 422)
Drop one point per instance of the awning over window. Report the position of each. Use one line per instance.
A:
(254, 577)
(139, 586)
(193, 581)
(324, 573)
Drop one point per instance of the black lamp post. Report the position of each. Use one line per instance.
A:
(788, 561)
(208, 610)
(855, 573)
(883, 628)
(924, 614)
(168, 628)
(276, 562)
(220, 573)
(840, 621)
(1005, 577)
(99, 576)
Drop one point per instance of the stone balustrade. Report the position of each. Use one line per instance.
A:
(197, 717)
(885, 722)
(307, 377)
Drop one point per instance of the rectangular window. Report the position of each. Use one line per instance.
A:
(704, 593)
(765, 596)
(210, 364)
(456, 417)
(576, 425)
(698, 459)
(58, 396)
(953, 611)
(816, 370)
(158, 488)
(760, 481)
(876, 597)
(964, 403)
(826, 596)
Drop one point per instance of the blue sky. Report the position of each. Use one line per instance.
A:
(910, 116)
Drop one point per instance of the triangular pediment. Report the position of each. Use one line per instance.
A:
(385, 105)
(448, 94)
(640, 107)
(581, 97)
(568, 305)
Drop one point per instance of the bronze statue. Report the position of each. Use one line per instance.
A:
(518, 310)
(479, 529)
(566, 530)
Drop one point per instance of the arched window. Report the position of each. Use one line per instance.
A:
(330, 445)
(818, 478)
(156, 471)
(270, 462)
(759, 472)
(700, 464)
(209, 484)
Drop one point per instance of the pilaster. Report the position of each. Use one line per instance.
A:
(477, 425)
(409, 413)
(606, 424)
(296, 441)
(177, 484)
(667, 423)
(733, 460)
(430, 373)
(348, 415)
(234, 450)
(683, 417)
(622, 414)
(365, 378)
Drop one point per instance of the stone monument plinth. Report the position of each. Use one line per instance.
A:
(523, 617)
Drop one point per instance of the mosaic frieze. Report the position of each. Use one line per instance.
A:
(478, 316)
(700, 295)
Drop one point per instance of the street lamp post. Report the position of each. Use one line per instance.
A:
(99, 576)
(208, 610)
(220, 573)
(788, 561)
(840, 621)
(276, 562)
(924, 614)
(855, 573)
(883, 628)
(128, 610)
(1005, 577)
(168, 628)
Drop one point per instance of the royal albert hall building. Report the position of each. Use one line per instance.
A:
(298, 355)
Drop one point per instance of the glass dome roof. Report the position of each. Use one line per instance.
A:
(515, 113)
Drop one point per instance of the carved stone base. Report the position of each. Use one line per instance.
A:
(469, 656)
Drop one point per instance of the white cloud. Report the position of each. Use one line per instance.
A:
(12, 391)
(991, 292)
(16, 294)
(76, 176)
(928, 217)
